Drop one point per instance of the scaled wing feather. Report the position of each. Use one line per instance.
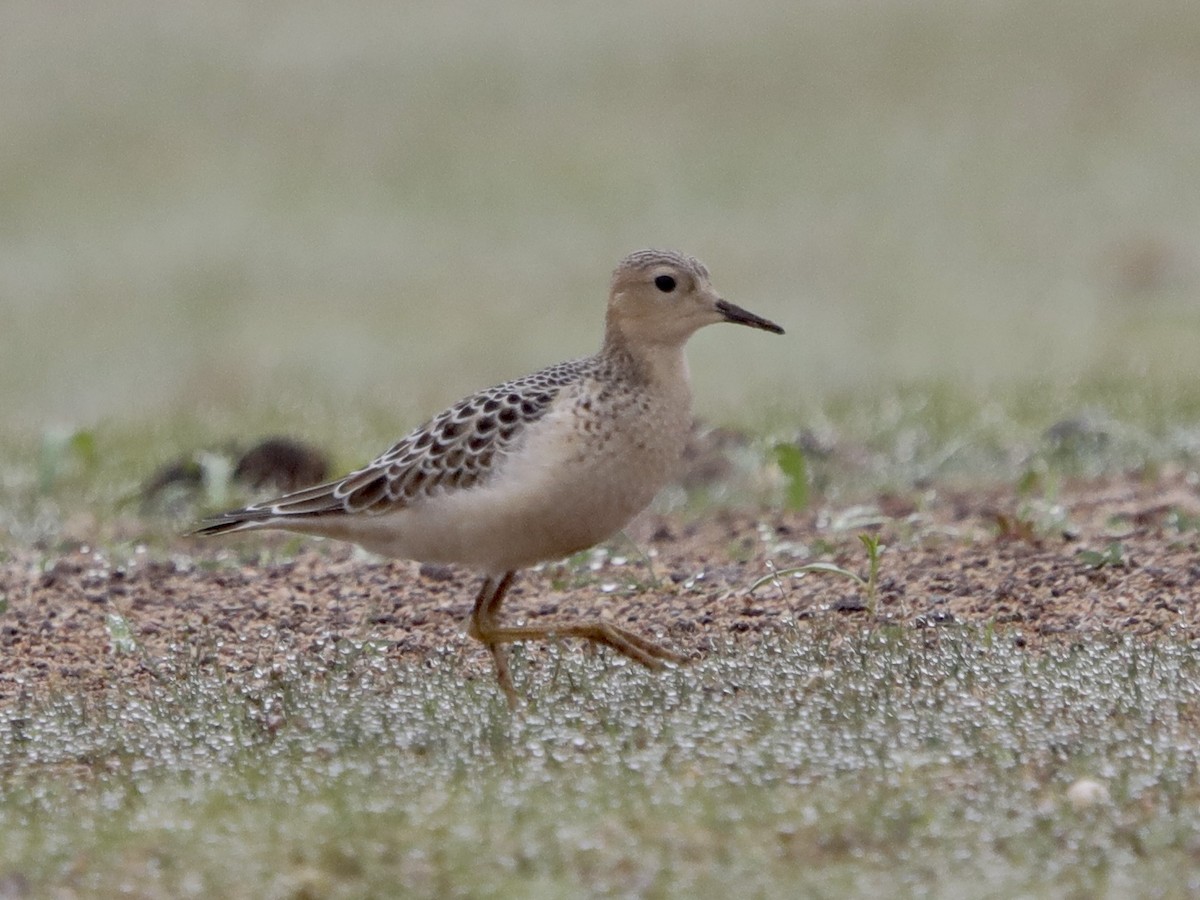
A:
(458, 449)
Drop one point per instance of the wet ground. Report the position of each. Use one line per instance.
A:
(1120, 554)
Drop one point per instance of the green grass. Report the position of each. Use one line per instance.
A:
(935, 761)
(71, 485)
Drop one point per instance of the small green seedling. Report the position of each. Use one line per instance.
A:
(791, 462)
(120, 636)
(1113, 555)
(62, 448)
(1182, 521)
(873, 548)
(870, 584)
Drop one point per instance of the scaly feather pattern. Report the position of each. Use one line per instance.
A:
(457, 449)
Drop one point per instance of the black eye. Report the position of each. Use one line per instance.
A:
(665, 283)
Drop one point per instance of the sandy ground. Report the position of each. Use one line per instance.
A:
(952, 558)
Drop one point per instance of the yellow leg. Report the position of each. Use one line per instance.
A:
(483, 627)
(490, 595)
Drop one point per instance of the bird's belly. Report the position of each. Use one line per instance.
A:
(549, 503)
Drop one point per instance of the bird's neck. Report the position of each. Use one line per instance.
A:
(659, 364)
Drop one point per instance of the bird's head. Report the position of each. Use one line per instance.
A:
(662, 297)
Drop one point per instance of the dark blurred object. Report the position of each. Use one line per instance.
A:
(281, 463)
(1076, 435)
(184, 473)
(277, 463)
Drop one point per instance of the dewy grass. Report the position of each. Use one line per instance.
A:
(935, 762)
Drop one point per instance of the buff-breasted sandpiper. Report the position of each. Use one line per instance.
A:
(537, 468)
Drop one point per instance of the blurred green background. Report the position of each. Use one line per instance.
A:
(213, 210)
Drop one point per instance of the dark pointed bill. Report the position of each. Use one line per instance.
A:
(741, 316)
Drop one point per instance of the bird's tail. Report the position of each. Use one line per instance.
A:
(240, 520)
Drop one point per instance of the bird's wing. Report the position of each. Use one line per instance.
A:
(460, 448)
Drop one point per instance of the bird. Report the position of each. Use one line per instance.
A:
(534, 469)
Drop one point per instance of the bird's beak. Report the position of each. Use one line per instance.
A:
(740, 316)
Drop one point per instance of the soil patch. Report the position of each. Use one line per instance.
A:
(1113, 556)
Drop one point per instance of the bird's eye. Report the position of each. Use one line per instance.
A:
(665, 283)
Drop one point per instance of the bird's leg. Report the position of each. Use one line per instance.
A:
(625, 642)
(484, 627)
